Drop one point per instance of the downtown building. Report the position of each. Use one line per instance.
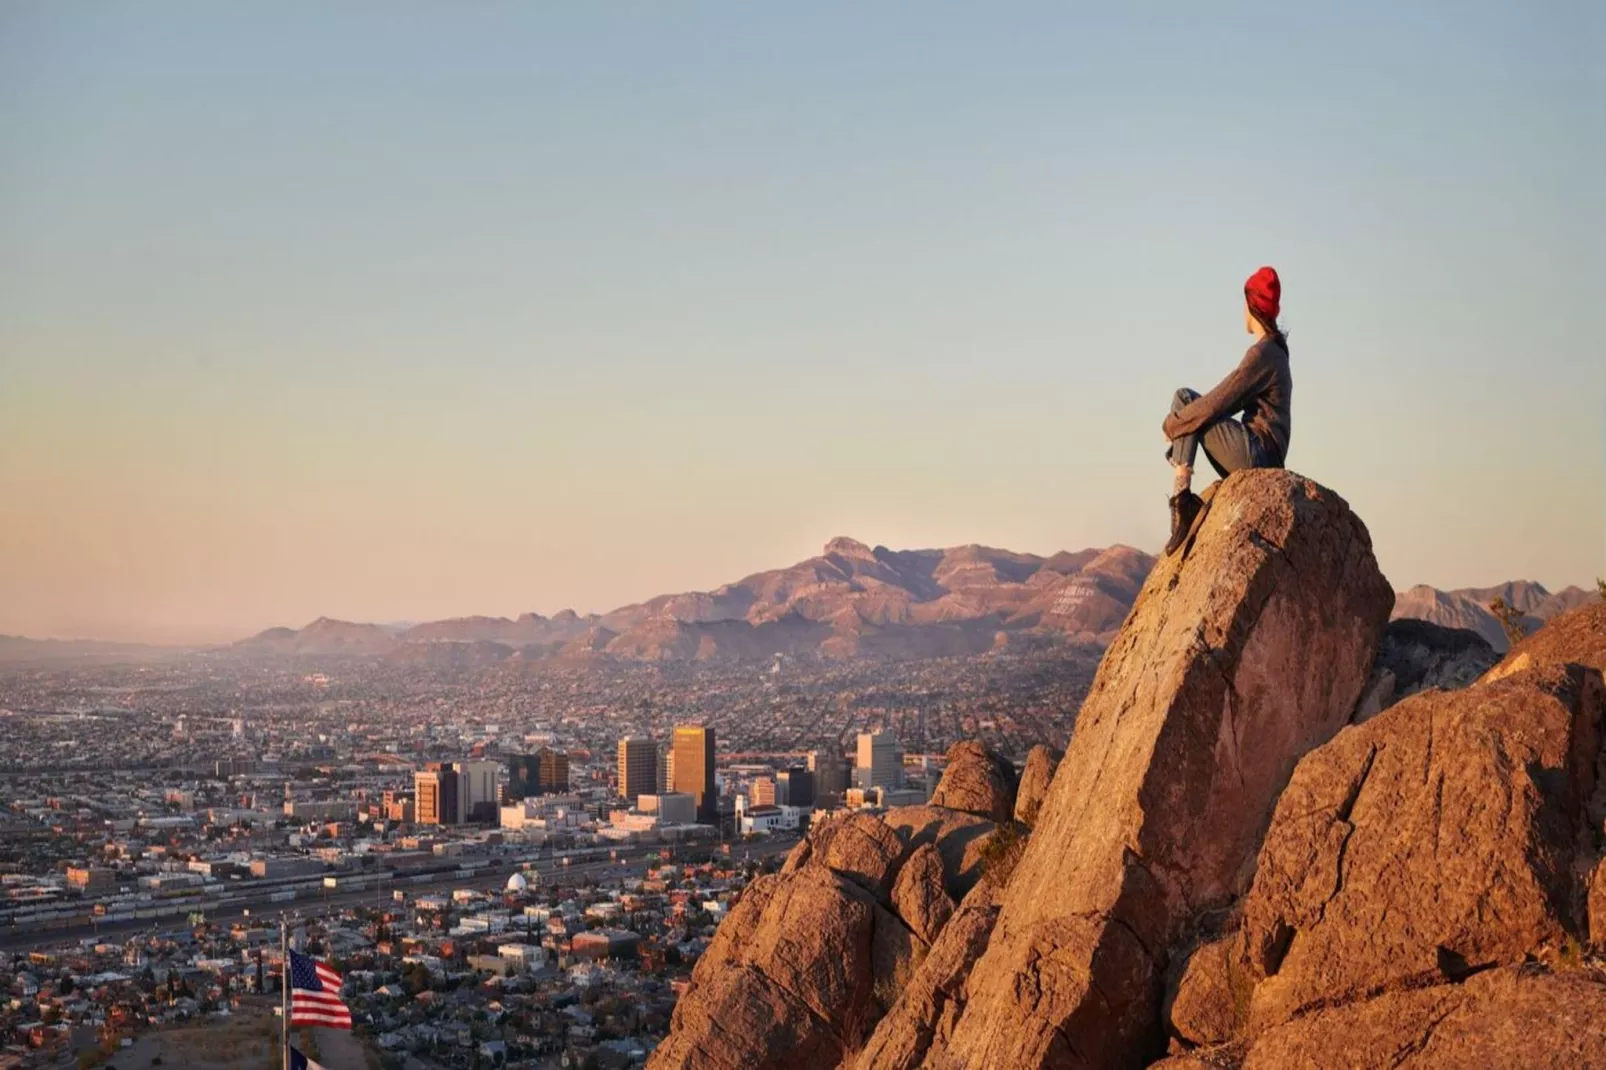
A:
(435, 794)
(794, 787)
(451, 793)
(546, 772)
(830, 772)
(638, 768)
(694, 770)
(880, 763)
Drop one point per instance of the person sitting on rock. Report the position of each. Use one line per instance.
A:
(1261, 388)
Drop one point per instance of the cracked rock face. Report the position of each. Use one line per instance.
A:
(919, 896)
(1243, 652)
(924, 1015)
(1515, 1018)
(1450, 834)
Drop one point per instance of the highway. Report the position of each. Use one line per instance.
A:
(632, 862)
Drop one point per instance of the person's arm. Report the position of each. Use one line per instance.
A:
(1228, 397)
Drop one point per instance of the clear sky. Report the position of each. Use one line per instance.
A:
(394, 311)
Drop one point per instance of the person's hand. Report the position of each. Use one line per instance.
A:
(1169, 427)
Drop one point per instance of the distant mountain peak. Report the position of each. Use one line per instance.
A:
(843, 546)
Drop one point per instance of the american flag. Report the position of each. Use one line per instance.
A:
(315, 994)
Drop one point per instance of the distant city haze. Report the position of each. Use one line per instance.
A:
(404, 313)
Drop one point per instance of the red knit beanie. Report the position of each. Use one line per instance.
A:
(1264, 292)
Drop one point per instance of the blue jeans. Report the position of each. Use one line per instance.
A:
(1227, 443)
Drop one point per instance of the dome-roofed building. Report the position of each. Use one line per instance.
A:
(518, 883)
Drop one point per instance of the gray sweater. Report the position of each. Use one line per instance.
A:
(1261, 387)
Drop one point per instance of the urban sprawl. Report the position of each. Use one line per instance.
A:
(508, 868)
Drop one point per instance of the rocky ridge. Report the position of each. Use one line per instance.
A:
(812, 957)
(1250, 855)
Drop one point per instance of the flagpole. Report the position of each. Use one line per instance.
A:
(284, 990)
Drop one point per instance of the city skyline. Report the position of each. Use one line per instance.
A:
(407, 317)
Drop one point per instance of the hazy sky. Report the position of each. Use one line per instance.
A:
(398, 311)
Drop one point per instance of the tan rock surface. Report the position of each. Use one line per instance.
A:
(787, 981)
(863, 848)
(978, 782)
(1243, 651)
(1041, 761)
(1210, 1004)
(959, 837)
(1436, 839)
(930, 1004)
(919, 895)
(1515, 1018)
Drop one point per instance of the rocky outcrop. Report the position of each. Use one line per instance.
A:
(864, 849)
(1515, 1018)
(811, 958)
(790, 978)
(919, 896)
(1041, 761)
(926, 1010)
(1244, 650)
(978, 782)
(1417, 655)
(960, 839)
(1451, 834)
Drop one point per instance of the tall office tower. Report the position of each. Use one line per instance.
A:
(435, 789)
(694, 770)
(552, 771)
(880, 765)
(523, 774)
(477, 793)
(638, 768)
(830, 774)
(794, 787)
(762, 792)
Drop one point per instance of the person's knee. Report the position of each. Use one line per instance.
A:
(1182, 398)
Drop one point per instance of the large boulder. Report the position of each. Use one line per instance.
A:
(978, 782)
(1447, 835)
(919, 896)
(1515, 1018)
(863, 848)
(1041, 761)
(1243, 651)
(797, 975)
(811, 958)
(925, 1012)
(960, 838)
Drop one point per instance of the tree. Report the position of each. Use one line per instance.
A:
(1510, 620)
(1600, 586)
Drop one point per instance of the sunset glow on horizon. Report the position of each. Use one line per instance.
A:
(396, 313)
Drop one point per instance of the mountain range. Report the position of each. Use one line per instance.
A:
(852, 601)
(1468, 607)
(849, 601)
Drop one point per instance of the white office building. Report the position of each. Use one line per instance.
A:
(880, 763)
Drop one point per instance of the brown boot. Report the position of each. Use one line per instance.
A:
(1184, 511)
